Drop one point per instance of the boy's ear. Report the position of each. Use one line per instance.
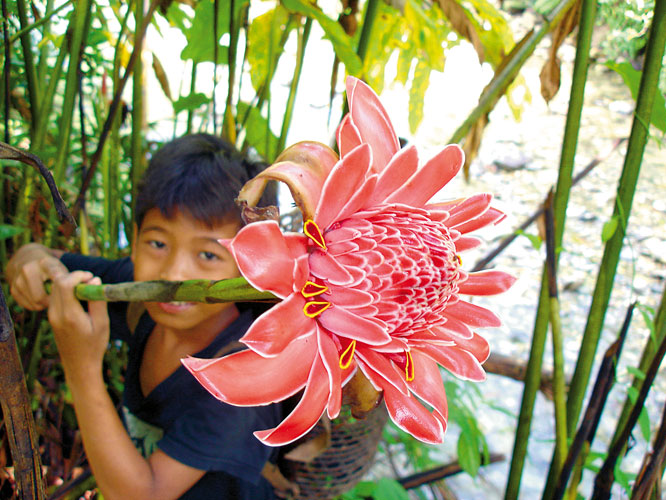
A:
(135, 233)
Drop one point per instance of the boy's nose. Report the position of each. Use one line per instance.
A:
(176, 269)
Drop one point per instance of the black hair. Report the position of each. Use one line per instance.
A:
(200, 174)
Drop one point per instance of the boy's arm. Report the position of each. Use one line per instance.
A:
(82, 338)
(27, 271)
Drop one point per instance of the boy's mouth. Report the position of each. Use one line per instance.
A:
(175, 307)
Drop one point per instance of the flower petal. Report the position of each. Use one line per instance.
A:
(411, 416)
(428, 384)
(307, 412)
(491, 216)
(247, 379)
(344, 180)
(270, 271)
(323, 265)
(382, 367)
(430, 178)
(486, 283)
(348, 137)
(403, 164)
(466, 243)
(472, 207)
(372, 122)
(283, 323)
(472, 315)
(461, 363)
(329, 356)
(345, 323)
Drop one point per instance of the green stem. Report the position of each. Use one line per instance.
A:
(560, 202)
(303, 37)
(625, 193)
(44, 50)
(193, 81)
(503, 78)
(45, 19)
(230, 290)
(137, 104)
(366, 30)
(30, 70)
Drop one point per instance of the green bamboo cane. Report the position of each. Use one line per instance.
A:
(229, 130)
(44, 50)
(29, 65)
(303, 37)
(46, 18)
(137, 104)
(503, 78)
(560, 202)
(229, 290)
(193, 81)
(622, 210)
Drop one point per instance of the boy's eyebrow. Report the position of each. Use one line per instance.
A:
(152, 228)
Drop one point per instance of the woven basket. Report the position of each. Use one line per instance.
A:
(344, 462)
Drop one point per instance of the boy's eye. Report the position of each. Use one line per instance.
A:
(210, 256)
(156, 244)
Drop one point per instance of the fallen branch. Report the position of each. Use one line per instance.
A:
(442, 472)
(507, 366)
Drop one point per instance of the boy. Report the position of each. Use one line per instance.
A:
(176, 440)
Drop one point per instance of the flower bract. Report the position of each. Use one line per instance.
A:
(373, 283)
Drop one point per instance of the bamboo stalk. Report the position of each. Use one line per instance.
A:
(229, 290)
(46, 18)
(559, 384)
(602, 387)
(29, 66)
(561, 199)
(44, 49)
(652, 467)
(137, 104)
(622, 210)
(303, 37)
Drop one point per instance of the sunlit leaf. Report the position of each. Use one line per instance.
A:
(417, 92)
(468, 454)
(258, 133)
(609, 229)
(10, 231)
(342, 43)
(188, 102)
(385, 38)
(264, 37)
(390, 489)
(632, 79)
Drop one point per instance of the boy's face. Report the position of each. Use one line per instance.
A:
(181, 248)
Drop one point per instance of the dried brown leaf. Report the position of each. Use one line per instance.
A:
(473, 142)
(456, 15)
(161, 76)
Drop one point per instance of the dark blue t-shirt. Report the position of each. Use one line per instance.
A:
(179, 416)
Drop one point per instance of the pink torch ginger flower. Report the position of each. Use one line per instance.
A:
(372, 284)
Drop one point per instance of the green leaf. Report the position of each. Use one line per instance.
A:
(535, 239)
(192, 101)
(385, 37)
(468, 454)
(258, 133)
(648, 316)
(632, 79)
(200, 36)
(263, 38)
(417, 92)
(390, 489)
(177, 17)
(609, 229)
(636, 372)
(342, 43)
(10, 231)
(644, 424)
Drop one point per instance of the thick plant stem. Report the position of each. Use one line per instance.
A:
(29, 66)
(137, 105)
(560, 202)
(503, 78)
(230, 290)
(625, 193)
(300, 55)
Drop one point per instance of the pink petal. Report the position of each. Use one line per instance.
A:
(403, 164)
(323, 265)
(345, 323)
(487, 283)
(412, 417)
(428, 384)
(466, 243)
(471, 208)
(472, 315)
(430, 178)
(458, 361)
(265, 270)
(358, 199)
(382, 367)
(247, 379)
(491, 216)
(307, 412)
(329, 356)
(477, 346)
(297, 244)
(348, 137)
(304, 167)
(343, 182)
(349, 297)
(283, 323)
(372, 122)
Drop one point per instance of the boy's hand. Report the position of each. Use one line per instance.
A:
(26, 273)
(81, 337)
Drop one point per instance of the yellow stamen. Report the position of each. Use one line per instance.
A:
(311, 289)
(459, 259)
(347, 356)
(315, 308)
(312, 231)
(409, 367)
